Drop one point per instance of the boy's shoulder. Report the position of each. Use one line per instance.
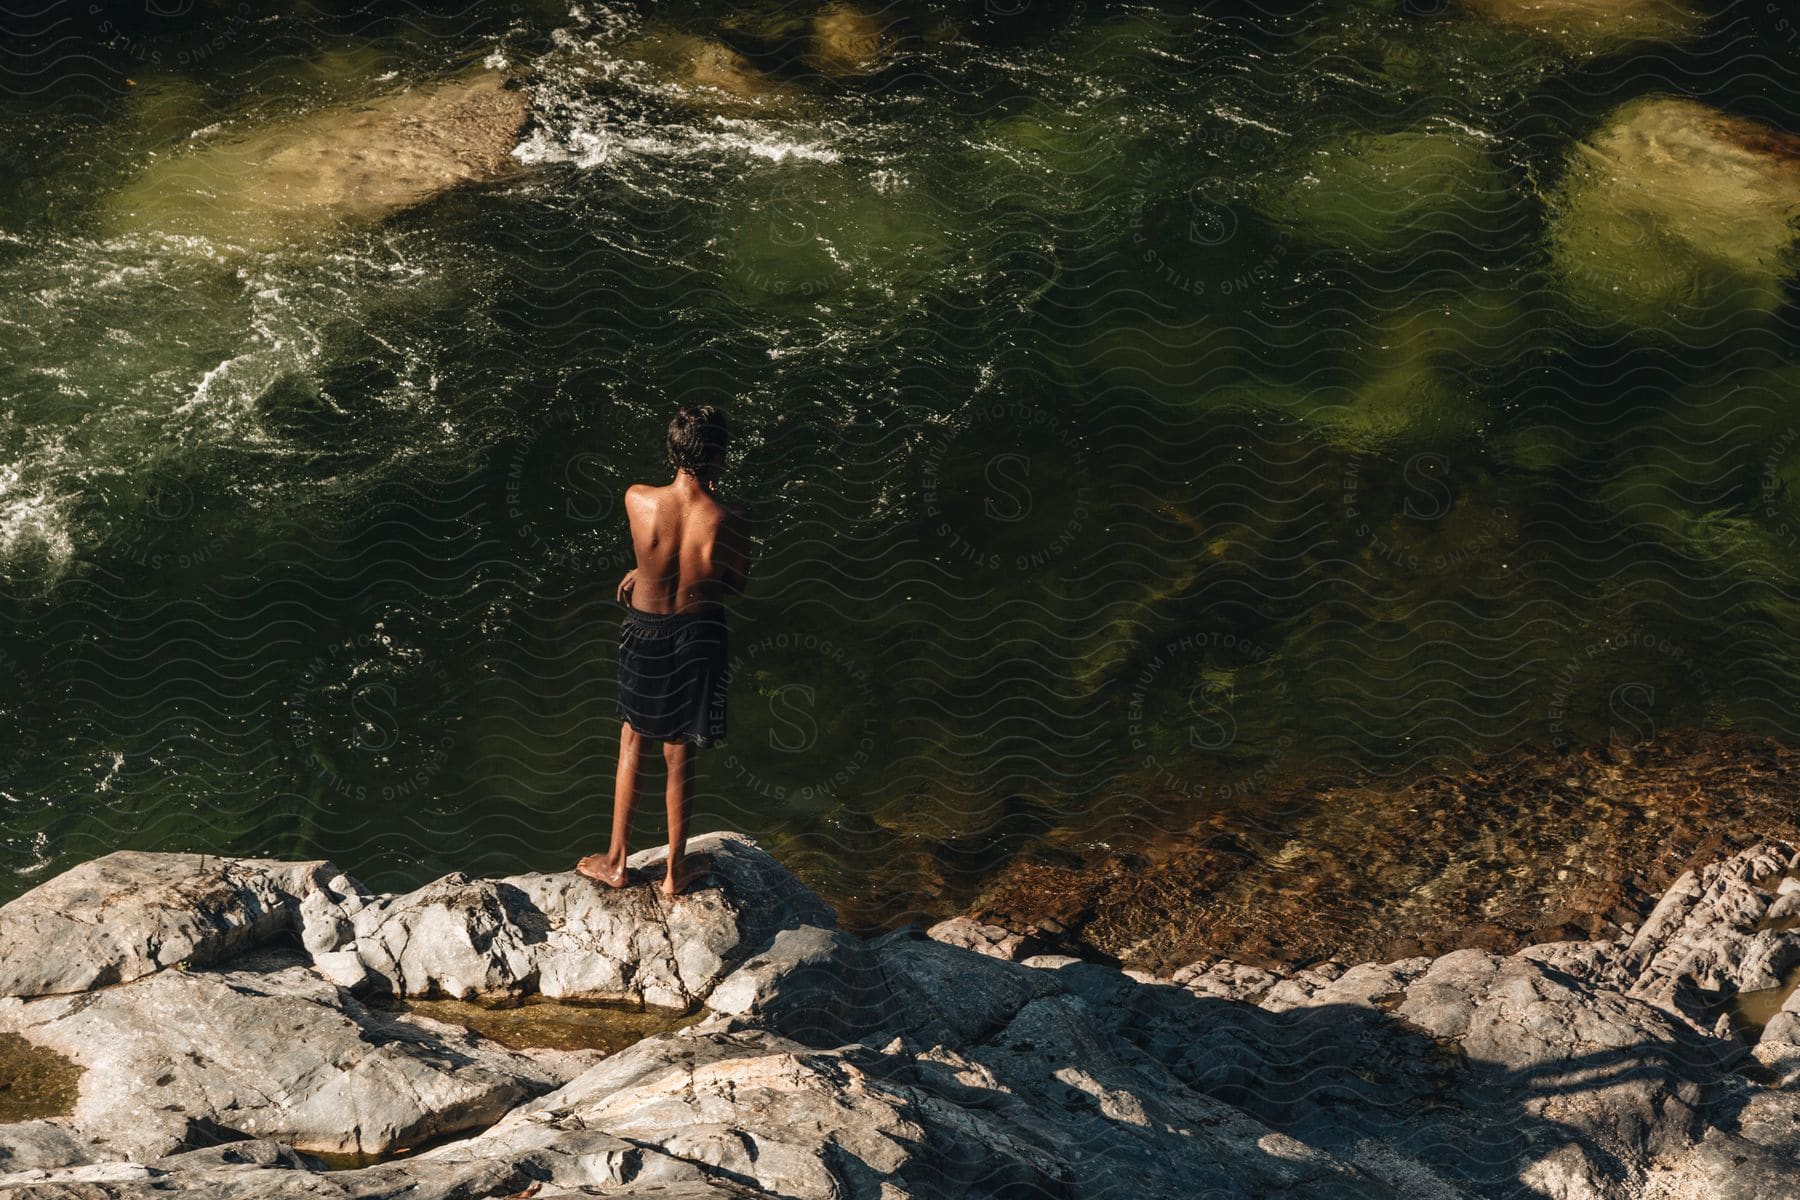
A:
(643, 497)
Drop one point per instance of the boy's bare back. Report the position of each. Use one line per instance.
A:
(674, 649)
(692, 548)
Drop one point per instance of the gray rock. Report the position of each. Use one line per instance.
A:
(565, 936)
(41, 1145)
(1724, 1167)
(185, 1057)
(1225, 980)
(1710, 937)
(344, 968)
(944, 994)
(750, 1106)
(908, 1067)
(817, 986)
(130, 913)
(1777, 1051)
(1624, 1076)
(1124, 1125)
(1048, 962)
(92, 1181)
(992, 940)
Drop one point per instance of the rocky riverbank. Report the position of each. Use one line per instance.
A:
(240, 1028)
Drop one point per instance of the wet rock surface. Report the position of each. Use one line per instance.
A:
(825, 1065)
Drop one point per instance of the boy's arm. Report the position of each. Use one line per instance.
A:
(629, 582)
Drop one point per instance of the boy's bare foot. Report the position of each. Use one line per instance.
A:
(681, 878)
(600, 870)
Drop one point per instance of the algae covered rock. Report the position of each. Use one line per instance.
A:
(1415, 378)
(1678, 218)
(806, 229)
(1395, 193)
(840, 39)
(847, 40)
(708, 70)
(351, 162)
(776, 31)
(1086, 166)
(1591, 26)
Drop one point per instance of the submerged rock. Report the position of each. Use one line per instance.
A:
(1414, 377)
(350, 163)
(824, 1065)
(1593, 25)
(808, 230)
(706, 71)
(847, 40)
(840, 38)
(1396, 193)
(34, 1082)
(1677, 217)
(1530, 845)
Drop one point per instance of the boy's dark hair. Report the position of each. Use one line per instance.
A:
(696, 434)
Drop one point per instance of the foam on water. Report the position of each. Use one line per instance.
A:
(204, 326)
(34, 522)
(599, 96)
(194, 347)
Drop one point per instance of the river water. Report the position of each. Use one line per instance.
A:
(1105, 476)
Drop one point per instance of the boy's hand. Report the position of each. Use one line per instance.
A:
(626, 584)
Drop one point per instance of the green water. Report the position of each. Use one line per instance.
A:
(1140, 406)
(35, 1083)
(554, 1024)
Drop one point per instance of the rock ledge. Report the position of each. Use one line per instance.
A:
(224, 1014)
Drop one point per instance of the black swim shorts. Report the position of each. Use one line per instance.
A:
(672, 675)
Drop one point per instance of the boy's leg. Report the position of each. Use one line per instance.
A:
(609, 868)
(679, 758)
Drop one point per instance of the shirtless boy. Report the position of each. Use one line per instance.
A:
(693, 550)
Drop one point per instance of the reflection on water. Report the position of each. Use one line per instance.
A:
(1142, 409)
